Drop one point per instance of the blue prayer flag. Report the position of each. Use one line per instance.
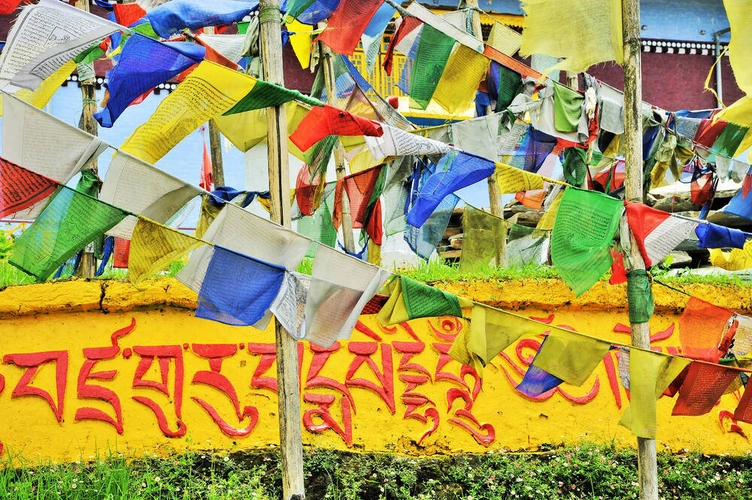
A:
(143, 64)
(237, 289)
(715, 236)
(537, 381)
(172, 17)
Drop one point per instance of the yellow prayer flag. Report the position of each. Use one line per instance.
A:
(491, 331)
(153, 247)
(735, 260)
(209, 91)
(549, 216)
(504, 39)
(583, 32)
(42, 94)
(746, 142)
(300, 39)
(739, 15)
(650, 373)
(570, 356)
(739, 113)
(512, 180)
(458, 84)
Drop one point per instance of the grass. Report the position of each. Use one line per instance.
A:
(584, 471)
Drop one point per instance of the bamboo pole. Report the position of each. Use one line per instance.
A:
(215, 144)
(646, 451)
(290, 423)
(88, 264)
(339, 151)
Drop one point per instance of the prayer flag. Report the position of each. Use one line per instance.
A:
(701, 329)
(740, 17)
(656, 232)
(265, 95)
(583, 32)
(172, 17)
(735, 260)
(570, 356)
(237, 289)
(703, 386)
(8, 6)
(537, 381)
(328, 120)
(714, 236)
(650, 373)
(300, 40)
(464, 71)
(206, 178)
(513, 180)
(412, 299)
(423, 240)
(341, 286)
(126, 14)
(154, 247)
(310, 12)
(40, 96)
(408, 29)
(70, 221)
(143, 64)
(374, 34)
(454, 171)
(140, 188)
(21, 188)
(395, 142)
(347, 23)
(491, 331)
(484, 239)
(208, 91)
(581, 241)
(504, 39)
(363, 191)
(433, 50)
(479, 136)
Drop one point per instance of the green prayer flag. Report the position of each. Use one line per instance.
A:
(434, 48)
(510, 84)
(570, 356)
(581, 239)
(575, 166)
(483, 241)
(729, 140)
(69, 222)
(567, 108)
(265, 94)
(412, 299)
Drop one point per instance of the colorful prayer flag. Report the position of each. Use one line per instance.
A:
(154, 247)
(410, 299)
(172, 17)
(328, 120)
(21, 188)
(701, 328)
(347, 23)
(656, 232)
(703, 386)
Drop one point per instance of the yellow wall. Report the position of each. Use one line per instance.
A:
(388, 389)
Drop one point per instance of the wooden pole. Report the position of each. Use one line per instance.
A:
(494, 197)
(339, 151)
(290, 422)
(88, 264)
(646, 451)
(215, 143)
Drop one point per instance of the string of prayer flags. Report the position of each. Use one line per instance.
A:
(207, 92)
(423, 240)
(650, 373)
(570, 356)
(35, 48)
(454, 171)
(703, 386)
(701, 329)
(142, 65)
(21, 144)
(464, 71)
(172, 17)
(581, 240)
(347, 23)
(237, 289)
(340, 288)
(154, 247)
(140, 188)
(740, 17)
(656, 232)
(410, 299)
(491, 331)
(433, 51)
(328, 120)
(587, 32)
(265, 95)
(70, 221)
(714, 236)
(484, 239)
(21, 188)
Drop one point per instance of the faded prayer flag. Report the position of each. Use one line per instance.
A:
(412, 299)
(21, 188)
(484, 239)
(154, 247)
(70, 221)
(172, 17)
(581, 240)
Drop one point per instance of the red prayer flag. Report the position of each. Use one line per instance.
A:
(21, 188)
(359, 188)
(701, 328)
(326, 120)
(128, 13)
(121, 253)
(8, 6)
(307, 189)
(702, 388)
(407, 25)
(347, 23)
(708, 131)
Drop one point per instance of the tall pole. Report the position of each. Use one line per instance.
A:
(290, 422)
(646, 451)
(339, 151)
(88, 265)
(215, 143)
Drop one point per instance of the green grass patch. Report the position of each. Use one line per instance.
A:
(585, 471)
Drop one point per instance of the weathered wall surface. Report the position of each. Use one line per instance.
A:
(93, 368)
